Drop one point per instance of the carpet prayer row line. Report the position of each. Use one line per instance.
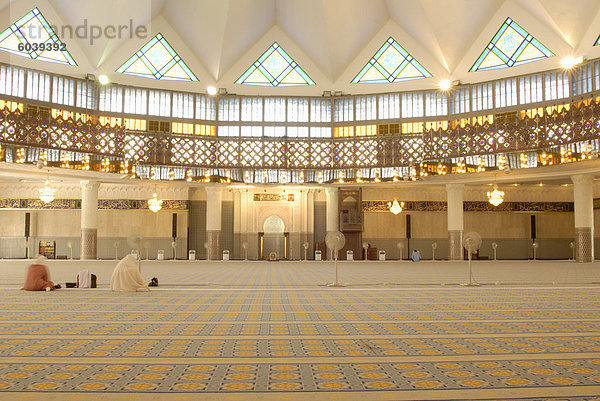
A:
(241, 329)
(296, 347)
(307, 377)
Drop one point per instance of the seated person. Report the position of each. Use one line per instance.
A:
(416, 256)
(84, 279)
(127, 277)
(38, 277)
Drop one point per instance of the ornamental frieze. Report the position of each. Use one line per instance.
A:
(273, 197)
(470, 206)
(409, 206)
(103, 204)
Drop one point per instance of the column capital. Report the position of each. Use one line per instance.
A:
(330, 189)
(89, 185)
(213, 189)
(582, 179)
(453, 187)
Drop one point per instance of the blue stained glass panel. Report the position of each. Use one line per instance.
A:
(157, 59)
(511, 45)
(275, 68)
(32, 36)
(391, 63)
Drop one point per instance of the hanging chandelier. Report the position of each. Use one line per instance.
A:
(496, 196)
(47, 193)
(154, 203)
(395, 207)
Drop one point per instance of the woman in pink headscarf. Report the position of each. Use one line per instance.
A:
(38, 277)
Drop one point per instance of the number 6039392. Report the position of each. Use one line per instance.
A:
(42, 47)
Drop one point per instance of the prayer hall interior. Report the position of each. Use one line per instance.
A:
(290, 199)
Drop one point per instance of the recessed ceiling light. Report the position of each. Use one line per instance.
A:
(103, 79)
(445, 84)
(570, 61)
(211, 90)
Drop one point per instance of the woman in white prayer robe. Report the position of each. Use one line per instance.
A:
(127, 277)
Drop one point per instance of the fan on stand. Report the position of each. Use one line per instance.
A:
(70, 246)
(495, 248)
(400, 246)
(366, 249)
(116, 245)
(245, 246)
(146, 246)
(207, 247)
(472, 242)
(335, 241)
(136, 243)
(305, 245)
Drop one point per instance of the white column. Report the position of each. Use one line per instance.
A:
(244, 224)
(583, 196)
(252, 227)
(332, 223)
(454, 193)
(89, 219)
(303, 221)
(296, 229)
(237, 224)
(310, 222)
(213, 222)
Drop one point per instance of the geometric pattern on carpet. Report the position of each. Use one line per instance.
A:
(167, 377)
(212, 340)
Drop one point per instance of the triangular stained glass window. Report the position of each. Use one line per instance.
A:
(597, 41)
(510, 46)
(158, 60)
(33, 37)
(275, 68)
(391, 63)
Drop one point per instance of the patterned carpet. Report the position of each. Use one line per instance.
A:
(301, 341)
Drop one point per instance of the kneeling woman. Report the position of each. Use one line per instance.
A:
(38, 277)
(127, 277)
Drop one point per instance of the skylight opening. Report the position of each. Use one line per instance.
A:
(510, 46)
(275, 68)
(33, 37)
(157, 59)
(390, 64)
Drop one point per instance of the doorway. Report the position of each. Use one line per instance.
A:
(273, 240)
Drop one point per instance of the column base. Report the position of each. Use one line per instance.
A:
(213, 237)
(253, 247)
(455, 245)
(584, 244)
(310, 238)
(295, 248)
(238, 251)
(89, 243)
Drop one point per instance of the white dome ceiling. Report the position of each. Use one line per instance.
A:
(330, 39)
